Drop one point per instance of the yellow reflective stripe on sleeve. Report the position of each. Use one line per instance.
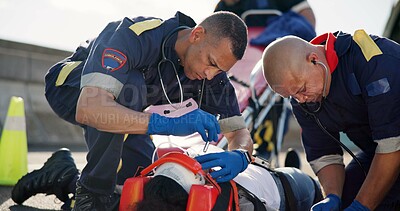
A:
(65, 71)
(367, 45)
(142, 26)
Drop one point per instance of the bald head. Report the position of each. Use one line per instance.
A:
(283, 59)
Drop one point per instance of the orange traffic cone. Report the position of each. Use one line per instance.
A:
(13, 144)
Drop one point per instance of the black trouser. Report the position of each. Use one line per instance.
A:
(305, 189)
(105, 151)
(355, 178)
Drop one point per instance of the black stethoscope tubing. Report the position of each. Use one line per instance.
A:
(164, 59)
(313, 114)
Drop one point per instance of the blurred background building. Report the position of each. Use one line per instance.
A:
(22, 70)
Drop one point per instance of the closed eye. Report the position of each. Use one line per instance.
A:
(214, 64)
(301, 90)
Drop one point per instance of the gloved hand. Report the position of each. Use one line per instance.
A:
(194, 121)
(331, 202)
(231, 163)
(356, 206)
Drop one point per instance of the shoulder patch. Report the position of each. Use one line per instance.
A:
(112, 59)
(367, 45)
(142, 26)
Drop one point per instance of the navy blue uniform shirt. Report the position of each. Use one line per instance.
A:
(123, 60)
(125, 49)
(363, 101)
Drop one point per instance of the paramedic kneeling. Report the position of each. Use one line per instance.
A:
(135, 63)
(344, 83)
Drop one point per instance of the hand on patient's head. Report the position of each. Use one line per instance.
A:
(231, 164)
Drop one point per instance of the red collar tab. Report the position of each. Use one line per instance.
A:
(330, 52)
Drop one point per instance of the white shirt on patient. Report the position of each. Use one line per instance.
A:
(259, 181)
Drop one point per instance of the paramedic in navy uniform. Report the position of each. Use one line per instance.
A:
(344, 83)
(120, 77)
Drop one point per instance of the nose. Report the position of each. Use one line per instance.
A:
(211, 73)
(300, 98)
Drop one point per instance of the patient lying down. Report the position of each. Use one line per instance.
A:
(257, 188)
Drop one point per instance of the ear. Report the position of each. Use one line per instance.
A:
(197, 34)
(312, 57)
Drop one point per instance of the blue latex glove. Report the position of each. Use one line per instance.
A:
(331, 202)
(231, 163)
(356, 206)
(194, 121)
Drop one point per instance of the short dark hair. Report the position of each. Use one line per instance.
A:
(225, 24)
(163, 194)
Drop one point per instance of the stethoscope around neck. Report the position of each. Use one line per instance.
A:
(164, 60)
(317, 108)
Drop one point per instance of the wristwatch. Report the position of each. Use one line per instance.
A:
(246, 154)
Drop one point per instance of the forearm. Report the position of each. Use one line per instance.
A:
(231, 2)
(240, 139)
(97, 108)
(383, 173)
(309, 15)
(331, 178)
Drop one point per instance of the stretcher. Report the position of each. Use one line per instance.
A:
(201, 197)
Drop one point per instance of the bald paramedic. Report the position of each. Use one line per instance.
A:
(344, 83)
